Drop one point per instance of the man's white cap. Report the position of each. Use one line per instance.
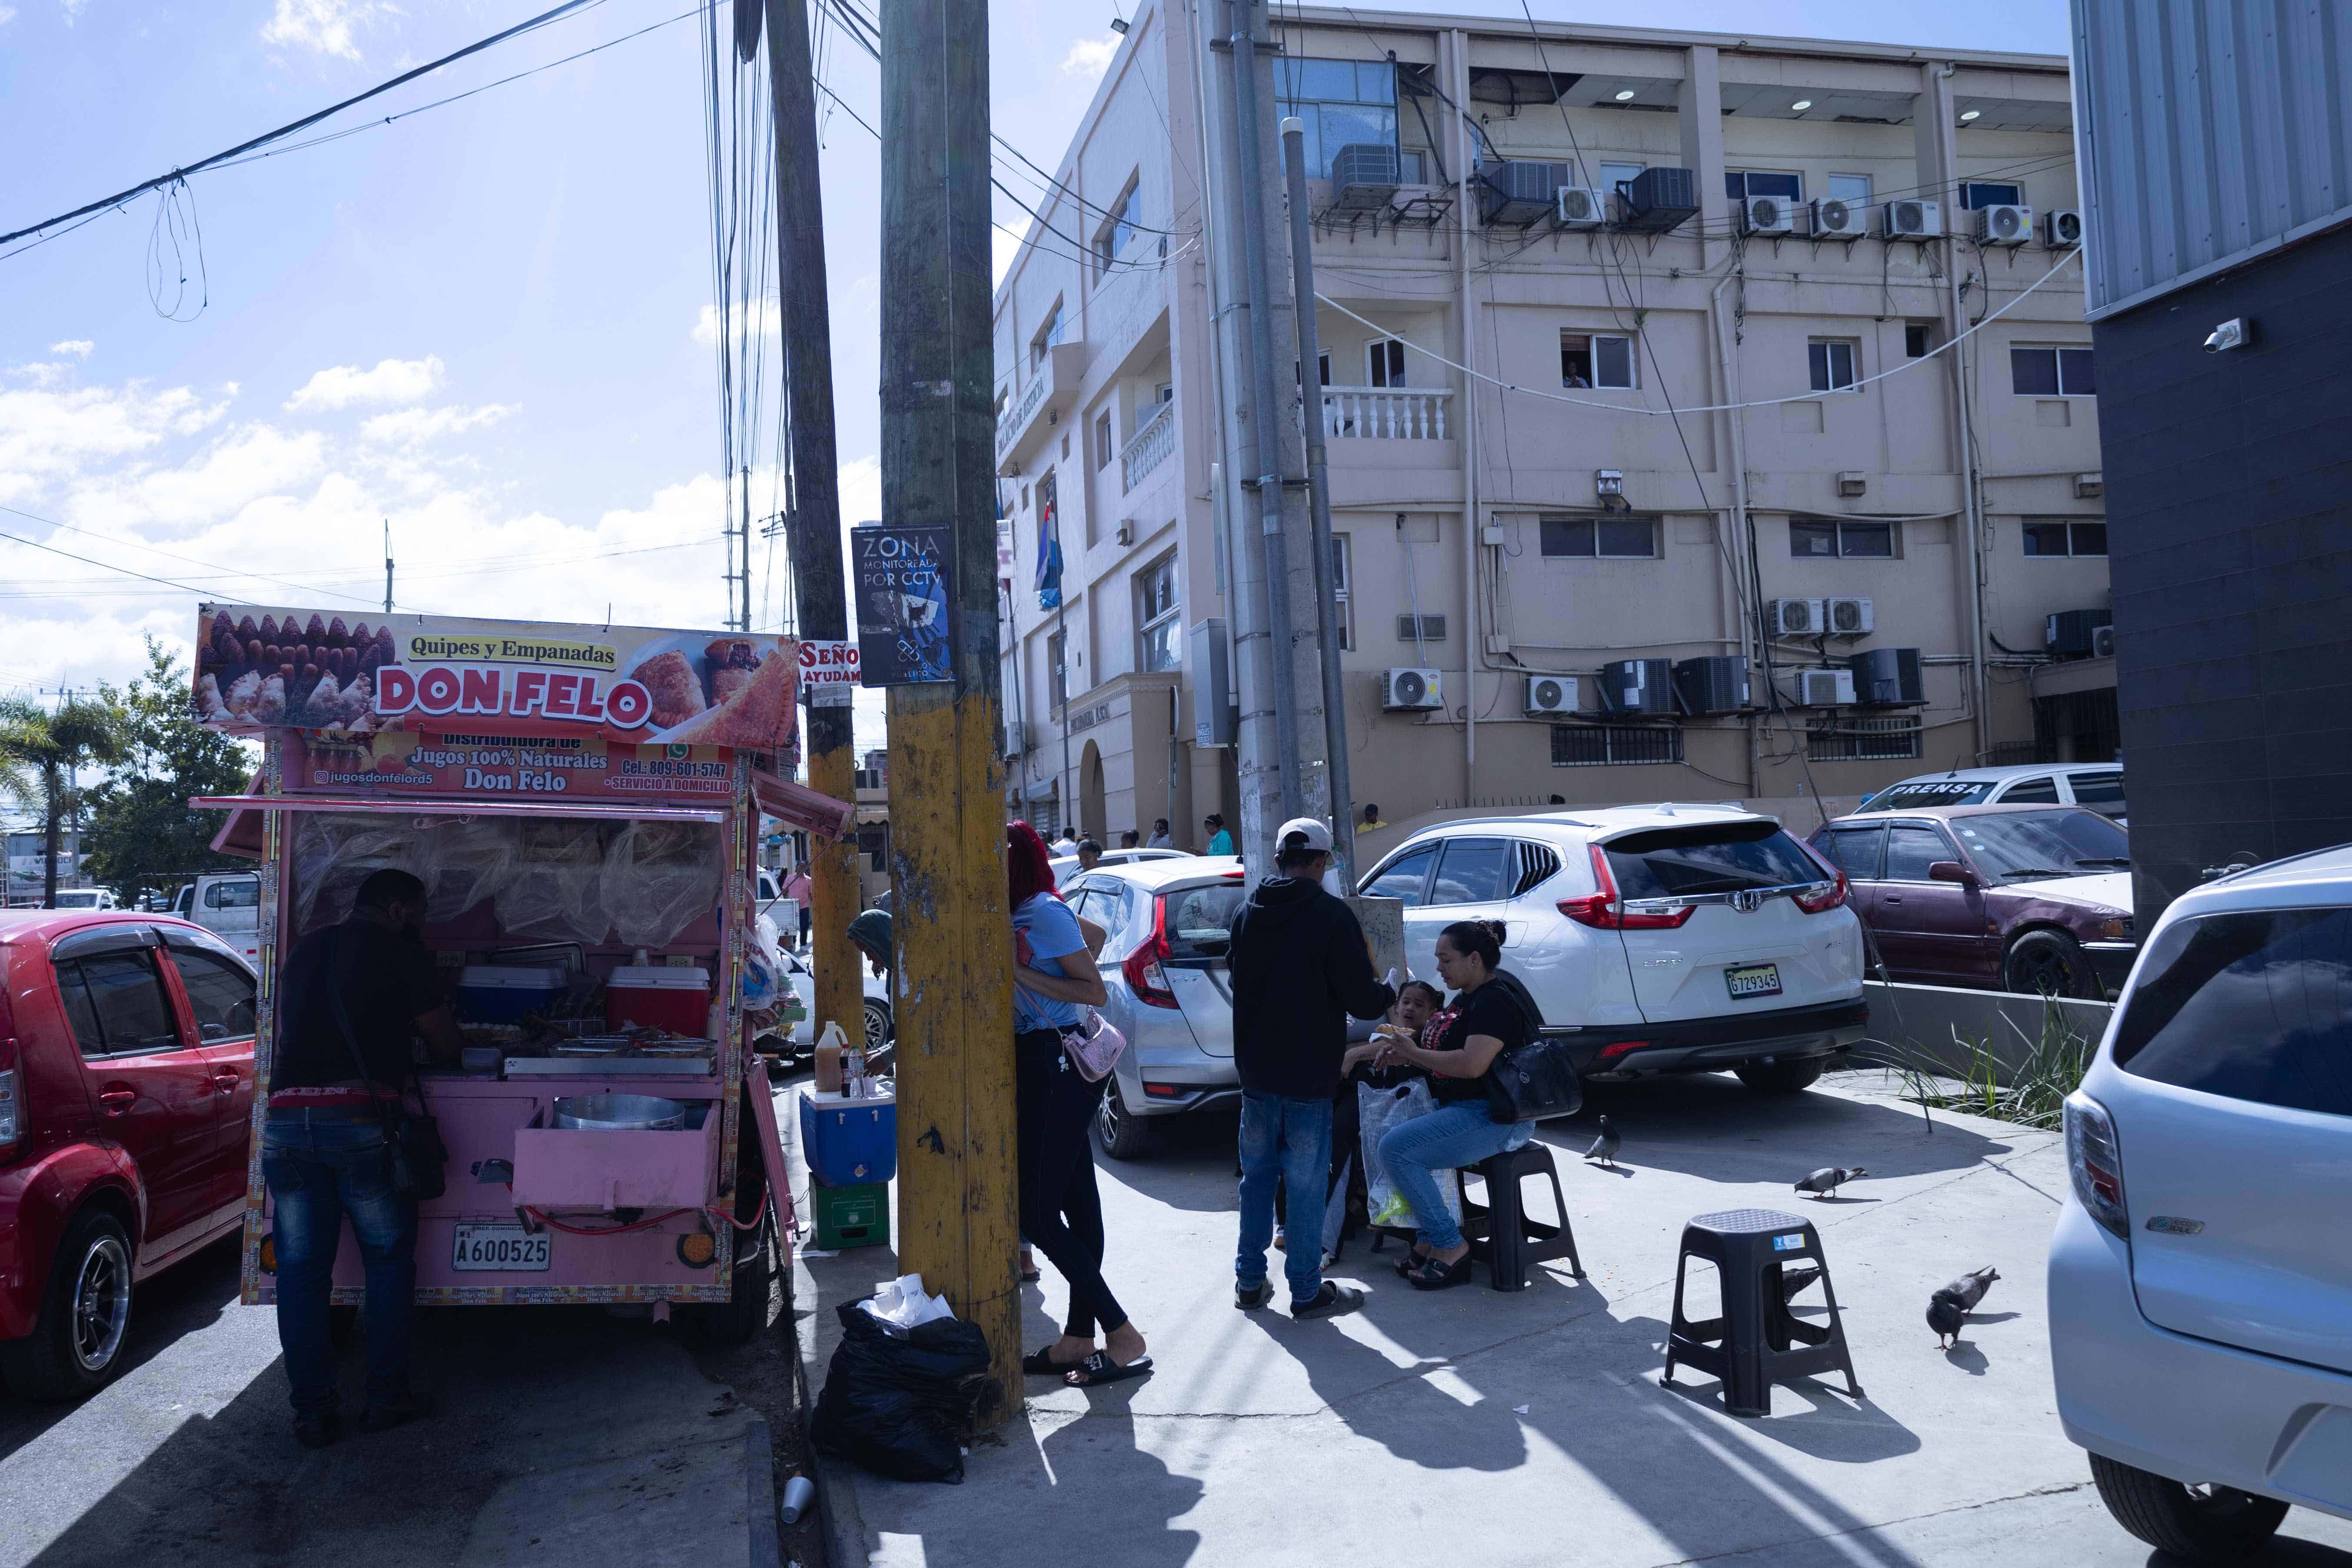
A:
(1317, 834)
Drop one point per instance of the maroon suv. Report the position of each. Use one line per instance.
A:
(126, 1087)
(2011, 897)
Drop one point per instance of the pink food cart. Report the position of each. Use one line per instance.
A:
(582, 804)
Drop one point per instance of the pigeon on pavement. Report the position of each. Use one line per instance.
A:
(1604, 1148)
(1948, 1308)
(1794, 1279)
(1825, 1182)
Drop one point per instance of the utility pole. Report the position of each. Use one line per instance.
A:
(387, 565)
(956, 1156)
(812, 525)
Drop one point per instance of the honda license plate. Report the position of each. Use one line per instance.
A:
(505, 1248)
(1748, 980)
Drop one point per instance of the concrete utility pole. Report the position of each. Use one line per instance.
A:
(812, 527)
(957, 1158)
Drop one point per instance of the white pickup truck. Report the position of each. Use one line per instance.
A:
(228, 904)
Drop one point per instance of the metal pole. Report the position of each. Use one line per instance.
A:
(1318, 495)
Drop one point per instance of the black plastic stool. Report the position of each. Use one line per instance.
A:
(1499, 1231)
(1750, 1348)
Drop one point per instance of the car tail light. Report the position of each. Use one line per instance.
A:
(12, 1108)
(1606, 911)
(1141, 967)
(1616, 1048)
(2094, 1163)
(1829, 898)
(1163, 1091)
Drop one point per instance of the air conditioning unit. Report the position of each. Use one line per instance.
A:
(1713, 684)
(2067, 633)
(1817, 688)
(1853, 481)
(1581, 208)
(2090, 484)
(1637, 686)
(2003, 223)
(2061, 228)
(1364, 177)
(1793, 617)
(2102, 642)
(1551, 694)
(1768, 215)
(1657, 200)
(1016, 738)
(1410, 691)
(1913, 220)
(1517, 191)
(1848, 617)
(1888, 678)
(1835, 220)
(1125, 530)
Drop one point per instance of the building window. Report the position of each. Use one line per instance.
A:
(1832, 363)
(1343, 602)
(1057, 666)
(1118, 229)
(1420, 628)
(1158, 616)
(1615, 177)
(1047, 336)
(1975, 194)
(1852, 189)
(1742, 183)
(1607, 745)
(1103, 452)
(1596, 359)
(1611, 537)
(2053, 537)
(2051, 372)
(1919, 339)
(1865, 740)
(1342, 104)
(1384, 362)
(1821, 538)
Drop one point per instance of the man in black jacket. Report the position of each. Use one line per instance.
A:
(1301, 965)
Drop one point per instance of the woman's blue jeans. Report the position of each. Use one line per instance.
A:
(322, 1165)
(1452, 1135)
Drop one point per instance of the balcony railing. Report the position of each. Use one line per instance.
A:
(1385, 413)
(1147, 448)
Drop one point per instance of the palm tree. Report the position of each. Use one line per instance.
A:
(40, 754)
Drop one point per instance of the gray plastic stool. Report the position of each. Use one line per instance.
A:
(1757, 1341)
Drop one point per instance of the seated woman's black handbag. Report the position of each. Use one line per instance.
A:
(1533, 1081)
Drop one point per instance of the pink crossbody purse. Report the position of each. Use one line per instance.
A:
(1093, 1046)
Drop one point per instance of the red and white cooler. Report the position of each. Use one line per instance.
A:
(658, 997)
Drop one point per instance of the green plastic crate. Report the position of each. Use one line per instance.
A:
(856, 1216)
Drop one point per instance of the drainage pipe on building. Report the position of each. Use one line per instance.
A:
(1750, 628)
(1476, 641)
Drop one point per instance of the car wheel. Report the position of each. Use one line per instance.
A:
(76, 1348)
(1779, 1078)
(1123, 1134)
(2211, 1525)
(745, 1312)
(879, 1030)
(2049, 963)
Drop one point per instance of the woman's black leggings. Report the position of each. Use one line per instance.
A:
(1061, 1207)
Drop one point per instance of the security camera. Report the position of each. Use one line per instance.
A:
(2234, 333)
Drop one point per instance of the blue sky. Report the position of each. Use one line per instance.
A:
(480, 323)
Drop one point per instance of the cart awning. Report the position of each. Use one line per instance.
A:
(394, 805)
(802, 807)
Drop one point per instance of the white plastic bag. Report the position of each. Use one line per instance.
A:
(902, 1304)
(1382, 1111)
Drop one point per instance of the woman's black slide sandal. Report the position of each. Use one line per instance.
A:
(1435, 1276)
(1040, 1363)
(1099, 1368)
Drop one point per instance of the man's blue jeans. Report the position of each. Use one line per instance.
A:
(1289, 1140)
(1461, 1134)
(322, 1165)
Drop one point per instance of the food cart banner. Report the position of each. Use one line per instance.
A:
(259, 669)
(414, 764)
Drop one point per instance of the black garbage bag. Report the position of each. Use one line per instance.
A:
(898, 1402)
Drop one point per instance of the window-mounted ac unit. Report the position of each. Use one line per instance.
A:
(1660, 199)
(2061, 228)
(1638, 686)
(1364, 177)
(1581, 208)
(1517, 191)
(1410, 691)
(1793, 617)
(1768, 215)
(1551, 694)
(1835, 220)
(1848, 617)
(2003, 223)
(1914, 220)
(1888, 678)
(1818, 688)
(1016, 736)
(2102, 642)
(1716, 684)
(2067, 633)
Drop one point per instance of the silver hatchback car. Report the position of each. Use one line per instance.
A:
(1163, 965)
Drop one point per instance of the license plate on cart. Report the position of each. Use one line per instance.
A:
(1753, 979)
(505, 1248)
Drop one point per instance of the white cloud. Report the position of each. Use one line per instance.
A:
(46, 435)
(7, 15)
(328, 26)
(409, 427)
(78, 347)
(1088, 58)
(766, 322)
(392, 380)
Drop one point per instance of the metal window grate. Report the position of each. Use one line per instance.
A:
(1432, 629)
(1537, 865)
(1865, 740)
(1606, 745)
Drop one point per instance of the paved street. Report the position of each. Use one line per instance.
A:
(1474, 1427)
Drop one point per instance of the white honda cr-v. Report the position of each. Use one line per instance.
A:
(2200, 1276)
(1656, 939)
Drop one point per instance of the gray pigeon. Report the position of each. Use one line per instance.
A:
(1795, 1279)
(1604, 1148)
(1825, 1182)
(1948, 1308)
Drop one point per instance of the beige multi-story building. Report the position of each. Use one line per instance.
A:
(1733, 405)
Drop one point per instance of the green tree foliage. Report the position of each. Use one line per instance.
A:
(40, 754)
(141, 833)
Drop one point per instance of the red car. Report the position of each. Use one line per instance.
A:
(126, 1088)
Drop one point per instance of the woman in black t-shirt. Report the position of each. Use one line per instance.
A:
(1491, 1014)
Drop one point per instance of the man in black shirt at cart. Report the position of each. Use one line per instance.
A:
(327, 1143)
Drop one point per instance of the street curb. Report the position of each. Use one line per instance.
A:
(766, 1545)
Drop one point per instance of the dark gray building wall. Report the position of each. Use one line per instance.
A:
(2230, 536)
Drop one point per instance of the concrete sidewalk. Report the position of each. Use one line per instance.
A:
(1469, 1427)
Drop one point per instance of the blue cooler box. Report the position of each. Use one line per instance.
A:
(500, 994)
(848, 1141)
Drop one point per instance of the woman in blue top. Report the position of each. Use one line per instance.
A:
(1220, 841)
(1054, 981)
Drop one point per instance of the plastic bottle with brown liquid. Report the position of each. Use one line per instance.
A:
(829, 1046)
